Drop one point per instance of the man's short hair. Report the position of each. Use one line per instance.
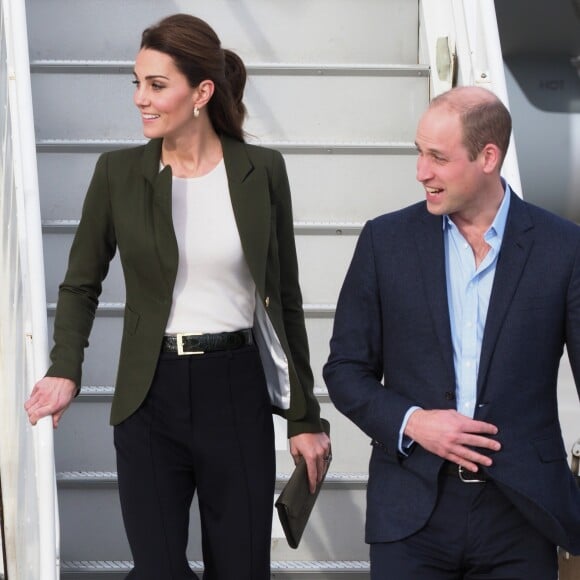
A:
(484, 118)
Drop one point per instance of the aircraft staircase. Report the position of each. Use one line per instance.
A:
(336, 86)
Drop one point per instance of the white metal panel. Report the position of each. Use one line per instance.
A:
(323, 261)
(319, 332)
(90, 538)
(367, 109)
(64, 179)
(335, 187)
(351, 187)
(351, 447)
(88, 422)
(84, 440)
(96, 531)
(259, 30)
(335, 528)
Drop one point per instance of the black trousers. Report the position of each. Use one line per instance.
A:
(205, 426)
(474, 533)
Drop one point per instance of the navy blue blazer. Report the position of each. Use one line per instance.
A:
(391, 348)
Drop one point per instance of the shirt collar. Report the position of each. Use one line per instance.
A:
(497, 227)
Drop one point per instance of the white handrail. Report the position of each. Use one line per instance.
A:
(487, 67)
(465, 33)
(26, 453)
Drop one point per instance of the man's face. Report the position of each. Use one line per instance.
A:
(451, 181)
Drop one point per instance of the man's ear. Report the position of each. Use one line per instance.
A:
(491, 158)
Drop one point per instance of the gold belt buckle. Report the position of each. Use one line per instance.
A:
(179, 338)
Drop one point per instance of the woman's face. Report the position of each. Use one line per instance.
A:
(163, 96)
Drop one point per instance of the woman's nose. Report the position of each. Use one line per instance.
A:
(140, 97)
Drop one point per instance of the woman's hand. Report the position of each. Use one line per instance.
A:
(314, 448)
(50, 396)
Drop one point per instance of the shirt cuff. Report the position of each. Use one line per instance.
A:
(405, 443)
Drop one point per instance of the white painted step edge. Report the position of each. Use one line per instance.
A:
(108, 479)
(288, 566)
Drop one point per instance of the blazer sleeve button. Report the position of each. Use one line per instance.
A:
(267, 301)
(449, 396)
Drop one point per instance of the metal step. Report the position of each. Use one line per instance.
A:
(351, 181)
(92, 528)
(329, 117)
(107, 331)
(57, 66)
(345, 569)
(324, 252)
(117, 309)
(104, 394)
(348, 160)
(359, 147)
(74, 479)
(258, 30)
(87, 421)
(304, 228)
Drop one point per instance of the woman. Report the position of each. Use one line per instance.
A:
(214, 336)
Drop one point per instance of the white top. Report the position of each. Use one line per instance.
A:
(214, 290)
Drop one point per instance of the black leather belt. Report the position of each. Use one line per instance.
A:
(463, 474)
(183, 344)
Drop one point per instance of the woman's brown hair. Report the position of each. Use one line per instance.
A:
(196, 50)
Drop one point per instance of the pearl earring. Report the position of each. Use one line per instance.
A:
(196, 112)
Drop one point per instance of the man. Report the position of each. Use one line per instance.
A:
(448, 335)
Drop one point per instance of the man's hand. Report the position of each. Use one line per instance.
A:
(315, 449)
(50, 396)
(453, 436)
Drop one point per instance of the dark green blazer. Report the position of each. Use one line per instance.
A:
(128, 207)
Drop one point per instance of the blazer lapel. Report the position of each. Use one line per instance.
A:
(161, 184)
(515, 249)
(431, 251)
(250, 195)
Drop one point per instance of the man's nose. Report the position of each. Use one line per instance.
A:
(424, 171)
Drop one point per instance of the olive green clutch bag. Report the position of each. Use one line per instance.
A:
(295, 502)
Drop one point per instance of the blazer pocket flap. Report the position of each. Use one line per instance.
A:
(550, 448)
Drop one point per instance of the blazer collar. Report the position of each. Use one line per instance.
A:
(236, 159)
(150, 160)
(431, 252)
(250, 197)
(517, 243)
(160, 183)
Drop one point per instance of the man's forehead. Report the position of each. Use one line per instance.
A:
(439, 124)
(442, 110)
